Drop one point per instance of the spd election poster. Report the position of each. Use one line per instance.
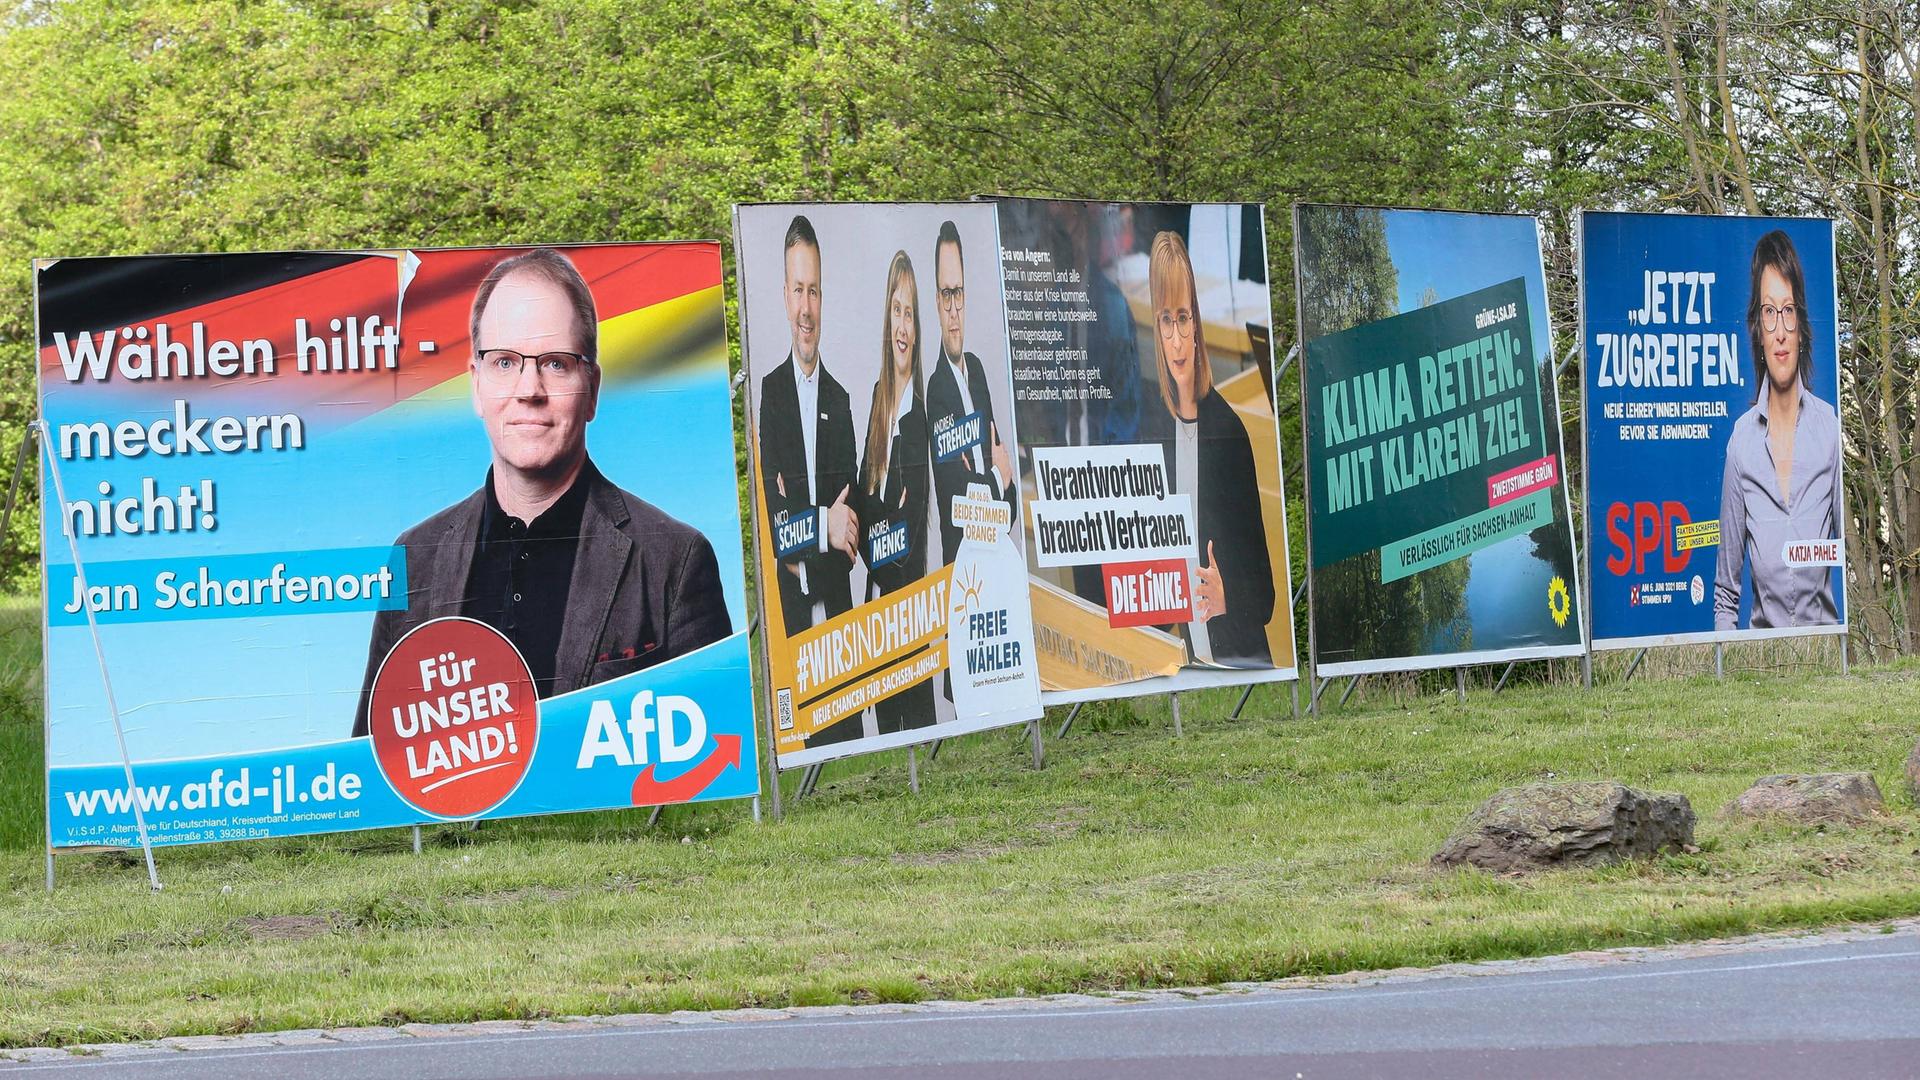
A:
(377, 538)
(887, 531)
(1149, 452)
(1715, 504)
(1439, 529)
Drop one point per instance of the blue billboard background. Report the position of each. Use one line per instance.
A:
(1677, 287)
(239, 718)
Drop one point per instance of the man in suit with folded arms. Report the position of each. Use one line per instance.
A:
(808, 465)
(956, 390)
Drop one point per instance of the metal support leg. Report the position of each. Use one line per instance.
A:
(1176, 713)
(1296, 699)
(766, 737)
(1843, 654)
(1586, 671)
(653, 816)
(1504, 676)
(913, 771)
(1243, 702)
(100, 656)
(1635, 666)
(756, 809)
(1071, 713)
(1719, 661)
(1313, 699)
(49, 871)
(416, 839)
(1039, 756)
(13, 489)
(1460, 683)
(1347, 694)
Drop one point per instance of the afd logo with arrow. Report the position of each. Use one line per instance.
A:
(650, 792)
(667, 729)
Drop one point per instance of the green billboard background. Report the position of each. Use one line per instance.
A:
(1427, 375)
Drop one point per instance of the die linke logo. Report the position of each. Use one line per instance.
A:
(454, 718)
(1152, 593)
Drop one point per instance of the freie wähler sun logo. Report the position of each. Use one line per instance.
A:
(1559, 601)
(967, 588)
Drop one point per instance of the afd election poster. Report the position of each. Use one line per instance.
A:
(1715, 504)
(377, 538)
(887, 525)
(1439, 527)
(1149, 453)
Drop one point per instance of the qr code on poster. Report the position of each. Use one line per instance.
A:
(783, 709)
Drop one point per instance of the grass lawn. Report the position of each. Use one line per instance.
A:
(1248, 849)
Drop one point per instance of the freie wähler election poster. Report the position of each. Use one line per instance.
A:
(1149, 452)
(887, 523)
(1715, 505)
(1439, 527)
(377, 538)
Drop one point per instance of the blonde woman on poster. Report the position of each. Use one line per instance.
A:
(1212, 460)
(894, 475)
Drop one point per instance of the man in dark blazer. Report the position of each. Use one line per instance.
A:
(807, 459)
(588, 581)
(808, 465)
(957, 390)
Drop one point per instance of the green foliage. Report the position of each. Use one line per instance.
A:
(268, 124)
(1347, 276)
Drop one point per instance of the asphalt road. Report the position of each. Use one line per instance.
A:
(1849, 1009)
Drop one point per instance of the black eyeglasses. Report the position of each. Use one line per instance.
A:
(1779, 318)
(499, 369)
(951, 298)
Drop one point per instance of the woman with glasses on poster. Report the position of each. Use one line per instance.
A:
(1782, 479)
(895, 472)
(1210, 459)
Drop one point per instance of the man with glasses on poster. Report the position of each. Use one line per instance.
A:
(967, 449)
(588, 581)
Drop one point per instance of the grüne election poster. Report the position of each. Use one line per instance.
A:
(1438, 523)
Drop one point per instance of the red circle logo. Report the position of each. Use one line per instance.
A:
(454, 718)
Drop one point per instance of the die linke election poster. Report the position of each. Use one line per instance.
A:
(377, 538)
(1438, 518)
(1715, 507)
(1149, 453)
(887, 521)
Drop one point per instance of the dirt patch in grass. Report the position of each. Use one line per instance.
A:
(539, 893)
(285, 927)
(959, 854)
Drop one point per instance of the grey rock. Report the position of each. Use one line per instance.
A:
(1813, 798)
(1581, 824)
